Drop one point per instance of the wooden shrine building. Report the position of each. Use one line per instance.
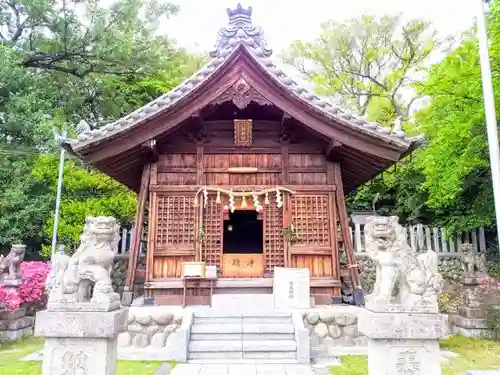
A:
(244, 169)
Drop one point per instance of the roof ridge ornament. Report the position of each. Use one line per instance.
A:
(240, 30)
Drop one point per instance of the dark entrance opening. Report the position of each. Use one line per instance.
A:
(243, 233)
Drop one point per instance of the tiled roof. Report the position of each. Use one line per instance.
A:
(239, 33)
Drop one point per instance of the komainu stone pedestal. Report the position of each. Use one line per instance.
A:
(471, 318)
(15, 324)
(403, 342)
(83, 317)
(80, 342)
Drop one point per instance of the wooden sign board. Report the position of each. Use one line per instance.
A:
(193, 269)
(243, 133)
(243, 265)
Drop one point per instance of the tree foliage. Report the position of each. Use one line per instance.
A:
(63, 62)
(369, 62)
(447, 181)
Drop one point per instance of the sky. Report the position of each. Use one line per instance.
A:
(195, 26)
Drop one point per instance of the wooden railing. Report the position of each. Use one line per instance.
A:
(420, 237)
(423, 237)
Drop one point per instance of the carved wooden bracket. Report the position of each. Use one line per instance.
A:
(152, 148)
(241, 94)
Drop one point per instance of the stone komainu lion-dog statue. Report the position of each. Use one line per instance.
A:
(473, 263)
(12, 263)
(71, 278)
(417, 276)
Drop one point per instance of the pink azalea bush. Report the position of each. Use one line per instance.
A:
(32, 290)
(490, 287)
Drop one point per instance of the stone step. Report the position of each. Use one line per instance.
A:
(243, 346)
(217, 328)
(242, 361)
(216, 320)
(269, 346)
(267, 328)
(215, 346)
(216, 336)
(235, 328)
(241, 336)
(290, 355)
(267, 320)
(243, 313)
(243, 301)
(240, 357)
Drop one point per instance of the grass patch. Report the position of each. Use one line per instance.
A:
(474, 354)
(352, 365)
(11, 353)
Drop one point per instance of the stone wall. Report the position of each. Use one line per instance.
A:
(119, 273)
(150, 328)
(332, 330)
(15, 324)
(449, 266)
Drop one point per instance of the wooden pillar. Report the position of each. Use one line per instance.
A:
(330, 176)
(287, 203)
(198, 220)
(153, 180)
(135, 246)
(344, 224)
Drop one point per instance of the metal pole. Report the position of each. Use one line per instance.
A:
(58, 195)
(489, 107)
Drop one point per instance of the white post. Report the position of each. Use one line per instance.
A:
(357, 238)
(59, 138)
(489, 107)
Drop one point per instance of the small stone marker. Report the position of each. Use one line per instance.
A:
(291, 288)
(80, 329)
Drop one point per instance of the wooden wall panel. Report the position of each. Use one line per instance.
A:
(319, 265)
(172, 169)
(177, 178)
(269, 164)
(169, 266)
(307, 160)
(221, 133)
(308, 178)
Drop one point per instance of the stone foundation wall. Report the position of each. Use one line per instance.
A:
(119, 273)
(150, 326)
(449, 266)
(15, 324)
(332, 330)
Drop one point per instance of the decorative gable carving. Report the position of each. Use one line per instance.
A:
(243, 133)
(241, 94)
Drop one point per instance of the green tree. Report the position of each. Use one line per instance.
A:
(370, 62)
(63, 62)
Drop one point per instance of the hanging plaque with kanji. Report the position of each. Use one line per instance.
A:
(242, 133)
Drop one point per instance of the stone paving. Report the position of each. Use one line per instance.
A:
(240, 369)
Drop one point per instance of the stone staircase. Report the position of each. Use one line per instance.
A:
(219, 336)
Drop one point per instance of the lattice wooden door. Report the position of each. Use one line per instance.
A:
(212, 225)
(274, 245)
(310, 215)
(173, 235)
(174, 224)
